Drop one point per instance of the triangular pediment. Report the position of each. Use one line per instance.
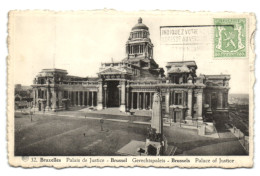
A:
(111, 71)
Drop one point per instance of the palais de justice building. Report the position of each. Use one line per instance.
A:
(131, 83)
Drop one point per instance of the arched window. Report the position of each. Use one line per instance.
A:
(42, 81)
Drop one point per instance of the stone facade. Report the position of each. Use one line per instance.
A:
(131, 84)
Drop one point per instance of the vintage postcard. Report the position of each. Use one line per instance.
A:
(130, 89)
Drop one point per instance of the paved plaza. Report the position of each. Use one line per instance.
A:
(78, 133)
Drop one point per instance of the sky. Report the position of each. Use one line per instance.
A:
(80, 42)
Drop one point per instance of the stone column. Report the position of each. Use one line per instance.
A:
(54, 100)
(71, 100)
(48, 100)
(87, 98)
(220, 100)
(119, 90)
(132, 100)
(83, 98)
(60, 99)
(138, 101)
(170, 97)
(99, 96)
(74, 97)
(151, 100)
(78, 98)
(199, 103)
(37, 97)
(105, 96)
(173, 97)
(189, 112)
(69, 96)
(92, 98)
(167, 101)
(223, 99)
(144, 100)
(44, 91)
(226, 99)
(122, 106)
(184, 98)
(34, 98)
(127, 98)
(96, 97)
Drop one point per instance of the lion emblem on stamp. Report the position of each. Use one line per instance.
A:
(230, 37)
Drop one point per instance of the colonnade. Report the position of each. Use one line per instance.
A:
(131, 99)
(54, 98)
(183, 99)
(135, 49)
(82, 98)
(141, 100)
(221, 98)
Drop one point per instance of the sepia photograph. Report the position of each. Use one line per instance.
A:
(123, 85)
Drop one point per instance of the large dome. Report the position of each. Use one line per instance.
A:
(140, 25)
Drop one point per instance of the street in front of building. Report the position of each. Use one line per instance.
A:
(62, 134)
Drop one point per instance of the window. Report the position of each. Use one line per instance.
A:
(176, 79)
(163, 99)
(144, 64)
(42, 81)
(65, 94)
(178, 99)
(184, 78)
(40, 93)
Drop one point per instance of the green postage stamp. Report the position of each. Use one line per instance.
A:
(230, 37)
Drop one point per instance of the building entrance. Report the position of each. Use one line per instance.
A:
(214, 101)
(113, 94)
(39, 106)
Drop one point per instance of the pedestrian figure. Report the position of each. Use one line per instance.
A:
(101, 124)
(84, 134)
(31, 113)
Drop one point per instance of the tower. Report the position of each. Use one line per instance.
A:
(139, 46)
(139, 50)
